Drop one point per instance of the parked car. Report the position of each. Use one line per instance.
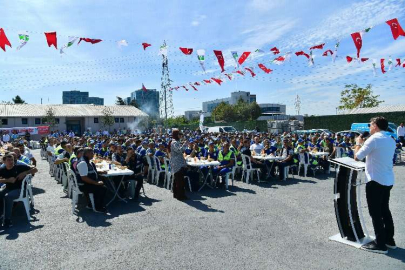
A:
(228, 129)
(362, 127)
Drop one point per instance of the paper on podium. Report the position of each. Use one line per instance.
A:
(349, 162)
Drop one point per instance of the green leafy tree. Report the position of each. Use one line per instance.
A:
(119, 101)
(18, 100)
(224, 112)
(50, 118)
(354, 96)
(176, 121)
(254, 111)
(134, 103)
(107, 120)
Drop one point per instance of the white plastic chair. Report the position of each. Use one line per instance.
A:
(248, 169)
(303, 163)
(168, 173)
(159, 170)
(76, 192)
(64, 177)
(151, 169)
(235, 168)
(24, 196)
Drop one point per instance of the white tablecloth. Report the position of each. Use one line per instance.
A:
(203, 163)
(118, 172)
(267, 158)
(319, 154)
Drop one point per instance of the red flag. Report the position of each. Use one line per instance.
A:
(396, 28)
(193, 87)
(243, 57)
(317, 46)
(186, 51)
(398, 62)
(144, 88)
(265, 69)
(177, 88)
(90, 40)
(358, 42)
(275, 50)
(229, 76)
(349, 59)
(302, 53)
(51, 39)
(218, 81)
(197, 83)
(207, 81)
(326, 53)
(185, 88)
(146, 45)
(240, 72)
(4, 40)
(220, 58)
(363, 59)
(251, 71)
(382, 65)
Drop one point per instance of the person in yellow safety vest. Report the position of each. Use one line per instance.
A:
(161, 154)
(234, 149)
(300, 149)
(60, 149)
(226, 157)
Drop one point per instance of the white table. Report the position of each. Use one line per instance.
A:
(117, 172)
(268, 158)
(206, 163)
(319, 154)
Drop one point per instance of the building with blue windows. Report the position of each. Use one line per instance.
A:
(148, 101)
(78, 97)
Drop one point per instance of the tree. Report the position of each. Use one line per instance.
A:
(50, 117)
(134, 103)
(107, 120)
(119, 101)
(354, 96)
(254, 111)
(225, 112)
(18, 100)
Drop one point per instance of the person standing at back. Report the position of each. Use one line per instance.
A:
(378, 150)
(401, 133)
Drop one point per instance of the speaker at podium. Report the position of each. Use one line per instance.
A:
(347, 200)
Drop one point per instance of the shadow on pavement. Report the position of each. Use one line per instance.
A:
(18, 228)
(195, 200)
(398, 253)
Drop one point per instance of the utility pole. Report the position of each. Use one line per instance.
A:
(165, 96)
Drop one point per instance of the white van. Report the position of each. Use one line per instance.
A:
(228, 129)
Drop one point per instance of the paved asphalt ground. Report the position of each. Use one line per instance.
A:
(276, 225)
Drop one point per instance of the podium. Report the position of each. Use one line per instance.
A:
(347, 200)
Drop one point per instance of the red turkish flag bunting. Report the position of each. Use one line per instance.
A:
(382, 65)
(218, 81)
(193, 87)
(186, 51)
(349, 59)
(51, 39)
(302, 53)
(243, 57)
(396, 28)
(177, 88)
(327, 52)
(185, 88)
(146, 45)
(90, 40)
(207, 81)
(317, 46)
(240, 72)
(197, 83)
(144, 88)
(358, 42)
(4, 40)
(398, 62)
(265, 69)
(229, 76)
(275, 50)
(251, 71)
(363, 59)
(220, 58)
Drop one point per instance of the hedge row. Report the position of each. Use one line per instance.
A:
(344, 122)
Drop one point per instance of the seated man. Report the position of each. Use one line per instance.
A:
(287, 155)
(75, 158)
(21, 157)
(11, 175)
(131, 162)
(256, 147)
(227, 159)
(245, 150)
(92, 183)
(161, 154)
(119, 156)
(211, 155)
(27, 152)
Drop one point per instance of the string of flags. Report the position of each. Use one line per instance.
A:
(395, 27)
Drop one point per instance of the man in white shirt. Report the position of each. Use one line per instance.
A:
(401, 133)
(6, 138)
(379, 150)
(256, 147)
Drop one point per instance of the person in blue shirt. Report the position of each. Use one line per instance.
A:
(161, 154)
(211, 155)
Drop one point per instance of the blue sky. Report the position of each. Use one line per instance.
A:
(104, 70)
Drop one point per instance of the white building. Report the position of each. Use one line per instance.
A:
(76, 117)
(192, 114)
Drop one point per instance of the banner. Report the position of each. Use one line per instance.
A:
(22, 130)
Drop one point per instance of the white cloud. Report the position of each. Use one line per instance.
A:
(264, 5)
(197, 21)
